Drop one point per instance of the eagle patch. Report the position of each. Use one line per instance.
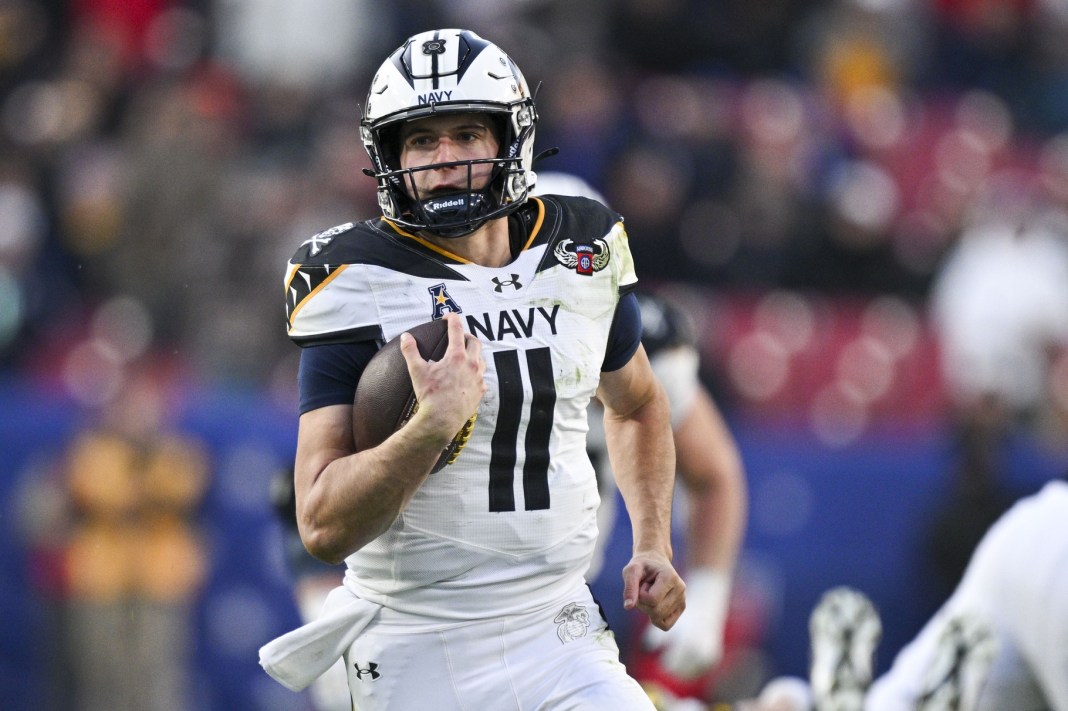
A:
(583, 258)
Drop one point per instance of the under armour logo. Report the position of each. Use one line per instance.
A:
(436, 46)
(513, 282)
(371, 670)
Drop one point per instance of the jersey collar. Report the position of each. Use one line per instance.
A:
(534, 230)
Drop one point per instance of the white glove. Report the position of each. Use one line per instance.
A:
(695, 643)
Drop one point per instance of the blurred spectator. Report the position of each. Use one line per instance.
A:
(988, 45)
(23, 227)
(686, 35)
(585, 98)
(282, 43)
(118, 547)
(134, 560)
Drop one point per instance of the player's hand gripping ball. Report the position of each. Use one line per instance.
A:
(385, 400)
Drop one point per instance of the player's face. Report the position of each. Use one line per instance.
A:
(444, 139)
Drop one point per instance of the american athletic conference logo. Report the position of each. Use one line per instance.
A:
(573, 622)
(441, 302)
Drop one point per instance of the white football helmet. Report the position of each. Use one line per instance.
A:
(449, 71)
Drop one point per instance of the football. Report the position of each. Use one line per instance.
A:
(385, 400)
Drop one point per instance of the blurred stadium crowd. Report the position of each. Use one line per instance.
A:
(161, 159)
(864, 203)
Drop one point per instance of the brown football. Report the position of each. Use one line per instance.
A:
(384, 397)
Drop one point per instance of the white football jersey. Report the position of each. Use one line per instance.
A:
(512, 522)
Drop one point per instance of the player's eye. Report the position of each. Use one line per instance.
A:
(420, 140)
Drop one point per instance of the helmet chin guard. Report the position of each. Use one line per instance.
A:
(441, 72)
(454, 212)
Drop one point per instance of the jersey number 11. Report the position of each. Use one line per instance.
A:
(505, 436)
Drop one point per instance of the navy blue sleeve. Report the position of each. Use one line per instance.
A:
(625, 335)
(328, 374)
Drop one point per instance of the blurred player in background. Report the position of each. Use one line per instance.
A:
(1000, 642)
(1016, 586)
(710, 509)
(999, 304)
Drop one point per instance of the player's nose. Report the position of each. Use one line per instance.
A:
(454, 177)
(446, 152)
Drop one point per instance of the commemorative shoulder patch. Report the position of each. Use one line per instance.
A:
(583, 258)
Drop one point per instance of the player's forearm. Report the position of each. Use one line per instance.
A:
(356, 497)
(710, 466)
(715, 530)
(717, 520)
(642, 453)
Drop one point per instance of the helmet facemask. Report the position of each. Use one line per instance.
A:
(451, 213)
(457, 212)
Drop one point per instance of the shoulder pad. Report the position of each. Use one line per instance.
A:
(312, 248)
(580, 227)
(664, 325)
(587, 212)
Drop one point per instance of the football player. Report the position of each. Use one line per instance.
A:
(714, 504)
(464, 588)
(1001, 639)
(710, 469)
(999, 642)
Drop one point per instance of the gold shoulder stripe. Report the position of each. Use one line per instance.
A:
(458, 258)
(428, 245)
(537, 223)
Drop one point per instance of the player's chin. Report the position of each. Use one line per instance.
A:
(443, 191)
(440, 191)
